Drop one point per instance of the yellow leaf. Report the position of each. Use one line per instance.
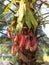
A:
(33, 1)
(19, 27)
(9, 6)
(21, 11)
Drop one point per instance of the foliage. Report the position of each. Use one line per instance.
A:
(27, 13)
(22, 10)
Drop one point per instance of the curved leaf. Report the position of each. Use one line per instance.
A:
(9, 5)
(21, 11)
(19, 27)
(32, 18)
(27, 20)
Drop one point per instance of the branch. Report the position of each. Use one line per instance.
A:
(46, 16)
(45, 22)
(45, 13)
(3, 33)
(5, 22)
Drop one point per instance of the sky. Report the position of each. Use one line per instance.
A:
(44, 9)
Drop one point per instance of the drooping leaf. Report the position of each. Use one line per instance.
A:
(21, 11)
(19, 27)
(27, 20)
(32, 18)
(9, 5)
(33, 1)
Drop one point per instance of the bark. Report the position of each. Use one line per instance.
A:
(27, 58)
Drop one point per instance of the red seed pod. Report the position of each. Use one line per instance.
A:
(28, 44)
(33, 44)
(33, 41)
(21, 49)
(31, 33)
(33, 48)
(15, 43)
(22, 41)
(13, 50)
(9, 35)
(16, 38)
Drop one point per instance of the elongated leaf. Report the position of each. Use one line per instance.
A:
(32, 18)
(19, 27)
(21, 11)
(27, 20)
(9, 5)
(33, 1)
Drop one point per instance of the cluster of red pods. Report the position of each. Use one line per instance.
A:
(25, 40)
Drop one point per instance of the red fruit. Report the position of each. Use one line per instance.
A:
(13, 50)
(15, 43)
(33, 41)
(33, 48)
(31, 33)
(16, 40)
(22, 41)
(28, 44)
(21, 49)
(9, 35)
(33, 44)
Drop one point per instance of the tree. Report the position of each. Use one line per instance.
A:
(25, 23)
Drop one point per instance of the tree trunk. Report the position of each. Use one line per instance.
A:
(27, 58)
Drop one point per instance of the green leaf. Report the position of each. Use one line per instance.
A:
(32, 18)
(33, 1)
(27, 20)
(21, 11)
(19, 27)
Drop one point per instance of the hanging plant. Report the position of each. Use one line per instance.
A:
(24, 27)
